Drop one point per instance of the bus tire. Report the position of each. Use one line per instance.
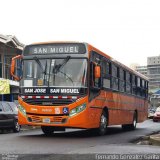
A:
(47, 130)
(131, 126)
(102, 129)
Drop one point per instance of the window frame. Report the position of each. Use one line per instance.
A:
(106, 76)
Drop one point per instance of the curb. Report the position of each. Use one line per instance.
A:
(155, 139)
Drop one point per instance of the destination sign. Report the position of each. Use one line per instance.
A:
(53, 91)
(68, 48)
(55, 49)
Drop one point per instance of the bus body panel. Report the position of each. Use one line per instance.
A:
(120, 106)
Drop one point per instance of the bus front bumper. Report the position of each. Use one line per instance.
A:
(80, 120)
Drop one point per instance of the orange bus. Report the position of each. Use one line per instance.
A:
(74, 85)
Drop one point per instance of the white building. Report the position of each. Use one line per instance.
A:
(142, 70)
(153, 72)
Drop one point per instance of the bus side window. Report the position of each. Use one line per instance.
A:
(133, 84)
(143, 89)
(138, 86)
(121, 80)
(146, 89)
(114, 77)
(128, 82)
(106, 74)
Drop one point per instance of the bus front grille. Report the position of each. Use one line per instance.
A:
(53, 119)
(49, 102)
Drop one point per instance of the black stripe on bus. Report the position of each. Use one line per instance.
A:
(37, 114)
(96, 107)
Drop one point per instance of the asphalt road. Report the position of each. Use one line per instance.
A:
(73, 142)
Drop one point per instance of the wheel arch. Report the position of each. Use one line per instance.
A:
(136, 112)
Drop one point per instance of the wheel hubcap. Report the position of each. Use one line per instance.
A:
(103, 122)
(134, 122)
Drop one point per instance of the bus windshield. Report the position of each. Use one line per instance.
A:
(54, 72)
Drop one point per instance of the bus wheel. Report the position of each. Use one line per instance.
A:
(131, 126)
(102, 125)
(47, 130)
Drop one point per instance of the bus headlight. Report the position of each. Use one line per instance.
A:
(22, 109)
(77, 109)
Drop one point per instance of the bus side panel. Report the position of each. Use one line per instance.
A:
(142, 114)
(121, 107)
(95, 110)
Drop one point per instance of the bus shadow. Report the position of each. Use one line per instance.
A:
(85, 133)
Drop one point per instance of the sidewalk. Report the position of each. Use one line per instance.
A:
(153, 139)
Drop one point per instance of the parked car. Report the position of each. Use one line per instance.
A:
(151, 112)
(9, 116)
(156, 116)
(14, 106)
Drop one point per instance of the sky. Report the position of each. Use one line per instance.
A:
(127, 30)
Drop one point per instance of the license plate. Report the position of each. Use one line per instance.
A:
(46, 120)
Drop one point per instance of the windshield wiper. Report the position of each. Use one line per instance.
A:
(67, 77)
(40, 65)
(57, 68)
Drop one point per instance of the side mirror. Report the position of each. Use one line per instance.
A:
(13, 66)
(97, 71)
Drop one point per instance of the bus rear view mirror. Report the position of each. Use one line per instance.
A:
(14, 65)
(97, 71)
